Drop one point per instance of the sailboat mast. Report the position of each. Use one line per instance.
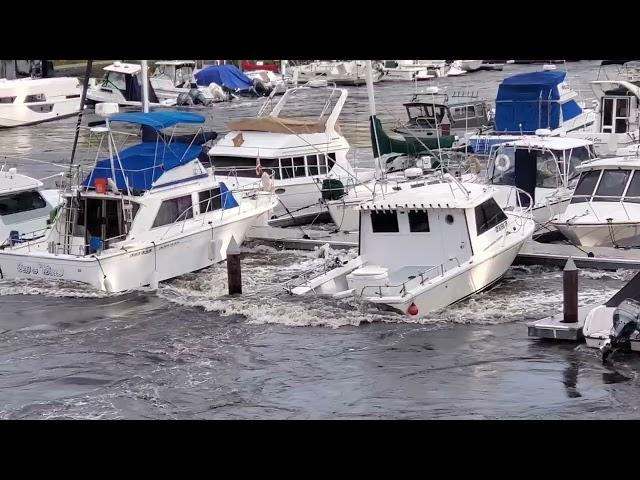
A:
(145, 85)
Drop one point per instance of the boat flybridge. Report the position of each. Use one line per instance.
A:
(24, 205)
(605, 207)
(617, 113)
(147, 213)
(427, 246)
(302, 152)
(527, 102)
(25, 101)
(543, 166)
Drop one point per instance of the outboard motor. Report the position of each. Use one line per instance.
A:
(332, 189)
(626, 321)
(184, 99)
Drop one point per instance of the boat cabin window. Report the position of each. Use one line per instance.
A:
(21, 202)
(331, 160)
(418, 221)
(424, 114)
(7, 99)
(38, 97)
(488, 215)
(463, 112)
(243, 166)
(384, 222)
(312, 164)
(286, 168)
(612, 185)
(615, 114)
(299, 170)
(633, 191)
(548, 167)
(586, 184)
(115, 80)
(172, 210)
(210, 200)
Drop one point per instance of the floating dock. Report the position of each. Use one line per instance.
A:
(554, 328)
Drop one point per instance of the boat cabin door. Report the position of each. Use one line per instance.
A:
(615, 114)
(526, 170)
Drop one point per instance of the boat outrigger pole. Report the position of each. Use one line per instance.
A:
(372, 112)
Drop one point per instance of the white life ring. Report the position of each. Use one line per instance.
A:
(502, 163)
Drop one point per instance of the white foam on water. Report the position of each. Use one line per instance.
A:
(526, 292)
(51, 288)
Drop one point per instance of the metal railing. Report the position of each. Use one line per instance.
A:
(402, 289)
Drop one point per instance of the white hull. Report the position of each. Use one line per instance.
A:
(142, 263)
(15, 115)
(460, 285)
(601, 235)
(345, 215)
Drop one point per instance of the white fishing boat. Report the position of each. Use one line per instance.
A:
(25, 206)
(527, 102)
(543, 166)
(26, 101)
(605, 207)
(303, 149)
(174, 81)
(145, 214)
(425, 246)
(122, 84)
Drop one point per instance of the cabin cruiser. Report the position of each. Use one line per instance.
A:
(301, 152)
(617, 113)
(24, 205)
(527, 102)
(433, 116)
(425, 246)
(146, 213)
(122, 84)
(605, 206)
(25, 101)
(174, 80)
(543, 166)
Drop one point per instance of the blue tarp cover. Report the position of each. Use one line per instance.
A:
(228, 76)
(143, 165)
(158, 120)
(228, 200)
(531, 100)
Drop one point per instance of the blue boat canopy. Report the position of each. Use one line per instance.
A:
(228, 76)
(528, 101)
(158, 120)
(144, 163)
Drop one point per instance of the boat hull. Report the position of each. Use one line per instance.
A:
(601, 235)
(16, 115)
(141, 264)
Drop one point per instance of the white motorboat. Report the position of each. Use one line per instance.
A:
(145, 214)
(303, 152)
(174, 81)
(344, 73)
(26, 101)
(425, 246)
(605, 207)
(527, 102)
(415, 70)
(122, 84)
(273, 82)
(25, 206)
(469, 65)
(543, 166)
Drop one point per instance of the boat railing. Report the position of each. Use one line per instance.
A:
(308, 276)
(522, 212)
(413, 281)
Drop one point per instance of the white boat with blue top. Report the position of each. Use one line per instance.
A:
(145, 214)
(527, 102)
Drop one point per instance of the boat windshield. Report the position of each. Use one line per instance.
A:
(549, 166)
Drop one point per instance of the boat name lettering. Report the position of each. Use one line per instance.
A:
(168, 245)
(502, 226)
(141, 252)
(41, 269)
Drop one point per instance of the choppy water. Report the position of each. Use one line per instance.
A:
(190, 351)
